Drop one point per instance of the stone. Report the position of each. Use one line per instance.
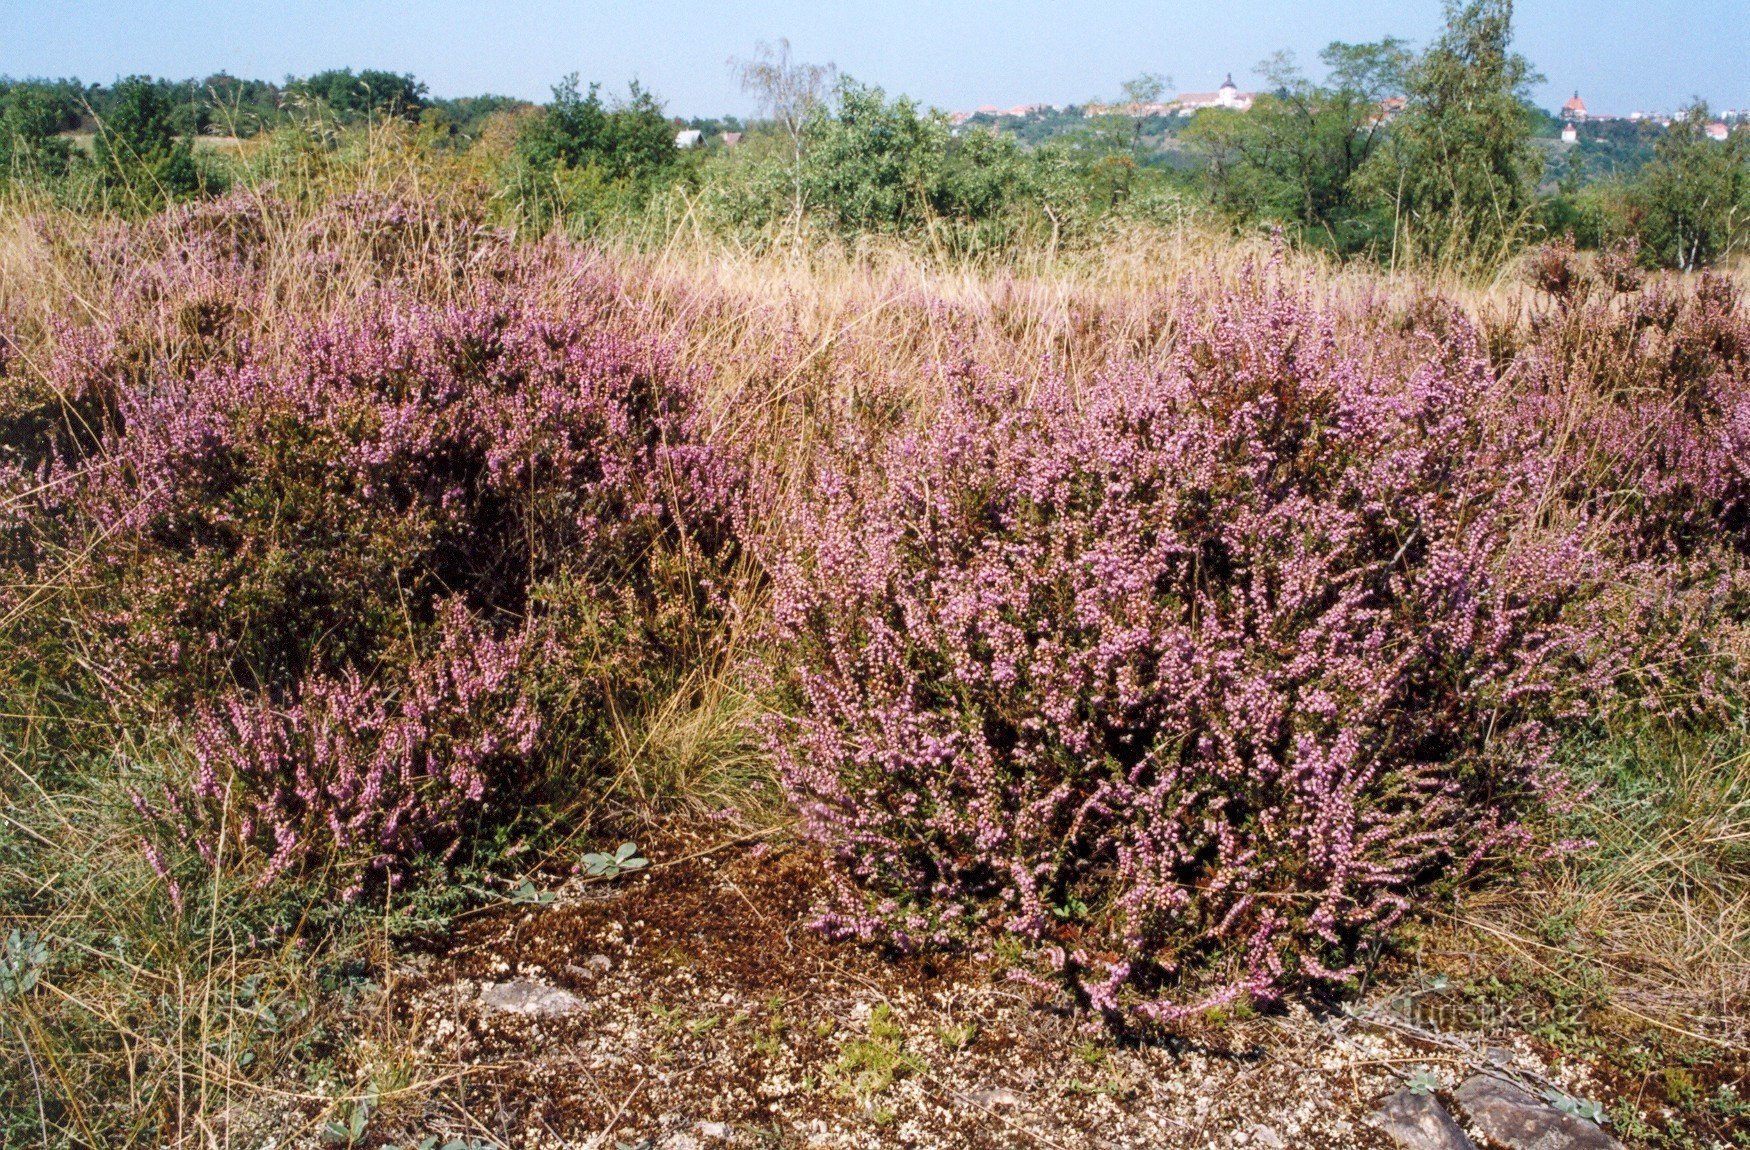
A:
(991, 1099)
(1521, 1121)
(1267, 1137)
(1419, 1122)
(526, 996)
(592, 967)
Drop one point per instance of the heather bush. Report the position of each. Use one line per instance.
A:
(391, 567)
(1191, 681)
(1637, 394)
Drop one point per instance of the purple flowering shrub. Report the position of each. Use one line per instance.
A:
(348, 769)
(1190, 681)
(1645, 399)
(1637, 397)
(394, 566)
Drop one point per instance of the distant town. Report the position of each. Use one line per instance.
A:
(1572, 114)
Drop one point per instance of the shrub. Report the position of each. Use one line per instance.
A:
(349, 767)
(377, 557)
(138, 149)
(579, 157)
(1638, 396)
(1640, 393)
(1191, 681)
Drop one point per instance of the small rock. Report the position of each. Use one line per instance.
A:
(525, 996)
(594, 966)
(1419, 1122)
(714, 1129)
(1519, 1120)
(997, 1097)
(1267, 1136)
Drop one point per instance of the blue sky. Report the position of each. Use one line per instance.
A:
(1621, 54)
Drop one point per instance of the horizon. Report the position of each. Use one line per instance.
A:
(970, 57)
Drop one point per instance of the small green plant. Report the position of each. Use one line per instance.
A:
(771, 1043)
(1423, 1082)
(1073, 907)
(1727, 1103)
(606, 866)
(527, 893)
(21, 960)
(868, 1066)
(351, 1130)
(1578, 1107)
(957, 1036)
(1634, 1127)
(1680, 1087)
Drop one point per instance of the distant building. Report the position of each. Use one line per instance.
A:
(730, 139)
(1226, 96)
(1718, 131)
(1575, 110)
(690, 138)
(1389, 109)
(1570, 133)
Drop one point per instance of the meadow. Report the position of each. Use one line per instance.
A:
(1182, 632)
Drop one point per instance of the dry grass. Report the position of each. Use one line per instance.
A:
(1650, 921)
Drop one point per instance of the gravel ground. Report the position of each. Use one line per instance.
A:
(689, 1006)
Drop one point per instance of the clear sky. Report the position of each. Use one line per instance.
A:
(1621, 54)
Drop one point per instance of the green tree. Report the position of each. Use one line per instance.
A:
(138, 150)
(874, 164)
(369, 94)
(1294, 158)
(581, 159)
(791, 93)
(31, 116)
(1693, 200)
(1460, 173)
(1148, 88)
(578, 130)
(242, 107)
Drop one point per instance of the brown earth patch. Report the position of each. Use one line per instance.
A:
(701, 1010)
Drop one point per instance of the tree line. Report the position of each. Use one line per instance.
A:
(1396, 155)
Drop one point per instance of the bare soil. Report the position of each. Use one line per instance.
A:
(691, 1005)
